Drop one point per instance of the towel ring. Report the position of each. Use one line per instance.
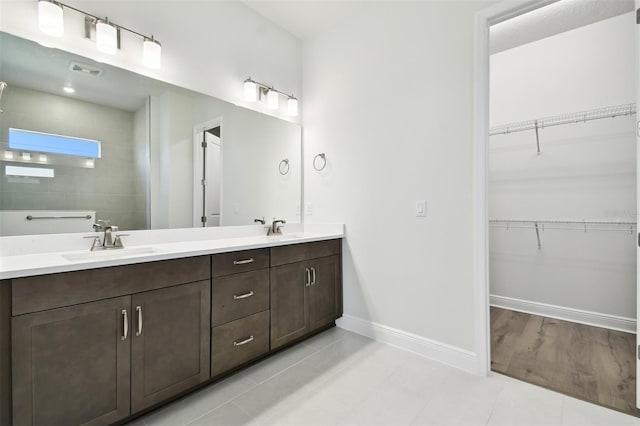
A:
(324, 162)
(283, 167)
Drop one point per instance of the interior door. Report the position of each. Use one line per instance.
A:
(637, 198)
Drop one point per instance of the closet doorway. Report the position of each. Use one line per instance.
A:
(207, 174)
(562, 200)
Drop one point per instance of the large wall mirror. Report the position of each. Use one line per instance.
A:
(168, 157)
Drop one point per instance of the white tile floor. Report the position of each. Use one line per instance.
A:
(341, 378)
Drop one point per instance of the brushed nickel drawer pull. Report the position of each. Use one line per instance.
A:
(313, 275)
(125, 322)
(139, 310)
(242, 296)
(308, 282)
(243, 262)
(243, 342)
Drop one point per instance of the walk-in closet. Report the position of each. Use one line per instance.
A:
(562, 200)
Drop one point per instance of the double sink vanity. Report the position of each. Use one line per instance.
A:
(100, 337)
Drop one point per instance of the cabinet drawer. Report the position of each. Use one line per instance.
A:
(236, 296)
(299, 252)
(43, 292)
(239, 341)
(239, 261)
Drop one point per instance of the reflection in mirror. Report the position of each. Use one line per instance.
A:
(153, 169)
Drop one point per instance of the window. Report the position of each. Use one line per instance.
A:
(26, 140)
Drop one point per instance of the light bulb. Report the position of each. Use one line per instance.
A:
(50, 18)
(151, 54)
(26, 156)
(292, 107)
(106, 37)
(250, 91)
(43, 158)
(272, 99)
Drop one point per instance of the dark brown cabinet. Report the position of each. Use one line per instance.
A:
(96, 346)
(98, 362)
(305, 295)
(170, 342)
(72, 365)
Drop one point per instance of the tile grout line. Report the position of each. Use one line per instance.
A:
(297, 362)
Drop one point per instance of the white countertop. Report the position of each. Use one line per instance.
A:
(46, 254)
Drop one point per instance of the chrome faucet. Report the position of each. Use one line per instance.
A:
(276, 229)
(262, 221)
(108, 241)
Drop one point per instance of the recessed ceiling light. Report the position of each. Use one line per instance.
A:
(69, 89)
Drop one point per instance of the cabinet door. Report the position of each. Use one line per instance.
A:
(288, 306)
(324, 292)
(170, 342)
(71, 365)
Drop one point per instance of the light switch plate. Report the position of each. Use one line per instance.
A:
(298, 209)
(421, 208)
(308, 209)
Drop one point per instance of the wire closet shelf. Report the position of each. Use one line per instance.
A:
(539, 225)
(557, 120)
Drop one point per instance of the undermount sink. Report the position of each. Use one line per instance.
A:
(110, 254)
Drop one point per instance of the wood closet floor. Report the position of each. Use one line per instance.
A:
(590, 363)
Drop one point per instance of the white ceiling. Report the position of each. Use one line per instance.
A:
(554, 19)
(306, 18)
(27, 64)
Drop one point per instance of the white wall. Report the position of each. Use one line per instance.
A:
(389, 98)
(207, 46)
(585, 171)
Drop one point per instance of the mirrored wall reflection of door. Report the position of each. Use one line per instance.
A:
(208, 174)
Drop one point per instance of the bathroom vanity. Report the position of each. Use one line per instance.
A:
(98, 345)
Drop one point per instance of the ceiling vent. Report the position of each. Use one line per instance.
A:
(85, 69)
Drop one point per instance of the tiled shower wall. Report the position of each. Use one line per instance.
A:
(114, 188)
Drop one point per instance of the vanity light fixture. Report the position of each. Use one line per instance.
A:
(107, 34)
(26, 156)
(50, 18)
(292, 107)
(254, 91)
(272, 99)
(8, 155)
(106, 37)
(152, 53)
(43, 158)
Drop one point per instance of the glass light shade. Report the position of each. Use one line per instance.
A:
(106, 38)
(50, 18)
(292, 107)
(272, 99)
(250, 91)
(151, 54)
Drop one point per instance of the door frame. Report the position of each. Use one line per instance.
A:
(197, 159)
(494, 14)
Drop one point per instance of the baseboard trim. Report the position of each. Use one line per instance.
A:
(568, 314)
(453, 356)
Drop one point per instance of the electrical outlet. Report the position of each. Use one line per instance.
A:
(308, 209)
(298, 209)
(421, 208)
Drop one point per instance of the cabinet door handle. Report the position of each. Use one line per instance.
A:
(243, 262)
(313, 275)
(242, 296)
(243, 342)
(307, 283)
(139, 310)
(125, 322)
